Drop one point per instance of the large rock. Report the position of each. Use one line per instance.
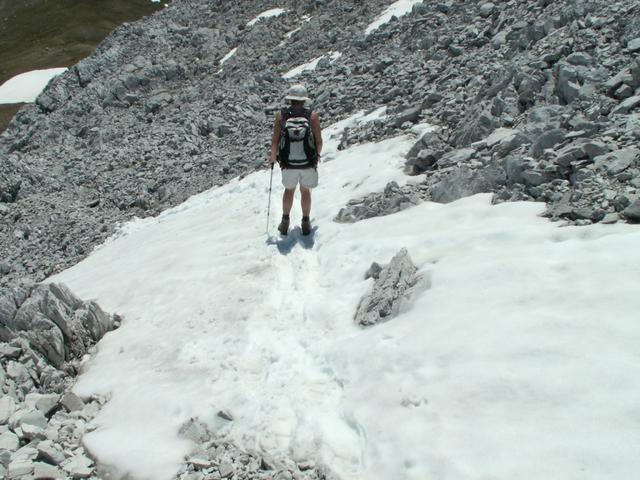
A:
(44, 471)
(627, 105)
(7, 408)
(9, 441)
(393, 287)
(476, 125)
(548, 139)
(393, 199)
(619, 160)
(632, 212)
(53, 320)
(456, 157)
(463, 182)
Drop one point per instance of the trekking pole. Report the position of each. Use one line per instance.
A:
(269, 204)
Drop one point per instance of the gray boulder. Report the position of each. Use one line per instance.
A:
(618, 161)
(627, 105)
(548, 139)
(55, 322)
(393, 199)
(632, 212)
(476, 125)
(390, 291)
(634, 45)
(456, 157)
(486, 9)
(463, 182)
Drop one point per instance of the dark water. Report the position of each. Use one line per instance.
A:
(36, 34)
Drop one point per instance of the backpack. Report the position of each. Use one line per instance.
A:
(297, 147)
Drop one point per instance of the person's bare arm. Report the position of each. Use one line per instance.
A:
(275, 140)
(317, 131)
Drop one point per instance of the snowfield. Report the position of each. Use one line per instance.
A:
(520, 361)
(26, 87)
(396, 9)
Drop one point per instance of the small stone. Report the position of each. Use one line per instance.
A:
(304, 466)
(595, 149)
(501, 135)
(17, 372)
(617, 161)
(33, 432)
(579, 58)
(26, 453)
(72, 402)
(455, 157)
(33, 418)
(627, 105)
(9, 351)
(535, 178)
(226, 414)
(20, 468)
(283, 475)
(632, 212)
(548, 139)
(486, 9)
(44, 471)
(9, 441)
(610, 218)
(373, 271)
(455, 50)
(7, 408)
(78, 466)
(267, 463)
(623, 92)
(47, 403)
(51, 452)
(199, 463)
(634, 45)
(226, 470)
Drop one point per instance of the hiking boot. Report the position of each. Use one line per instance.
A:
(283, 228)
(306, 226)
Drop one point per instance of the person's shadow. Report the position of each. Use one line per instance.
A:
(286, 243)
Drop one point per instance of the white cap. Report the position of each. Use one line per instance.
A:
(297, 92)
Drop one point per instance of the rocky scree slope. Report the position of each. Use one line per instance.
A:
(534, 100)
(44, 333)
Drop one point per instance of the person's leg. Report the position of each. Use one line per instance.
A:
(287, 200)
(289, 181)
(308, 180)
(305, 200)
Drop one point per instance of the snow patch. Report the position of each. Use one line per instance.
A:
(397, 9)
(333, 133)
(309, 66)
(228, 55)
(274, 12)
(525, 342)
(26, 87)
(288, 35)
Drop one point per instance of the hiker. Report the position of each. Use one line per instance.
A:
(296, 145)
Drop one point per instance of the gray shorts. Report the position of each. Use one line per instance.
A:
(306, 177)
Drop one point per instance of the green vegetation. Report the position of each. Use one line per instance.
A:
(37, 34)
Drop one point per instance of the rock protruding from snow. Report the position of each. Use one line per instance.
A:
(39, 438)
(393, 199)
(214, 458)
(53, 320)
(392, 289)
(44, 331)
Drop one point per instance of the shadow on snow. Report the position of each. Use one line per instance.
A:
(286, 243)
